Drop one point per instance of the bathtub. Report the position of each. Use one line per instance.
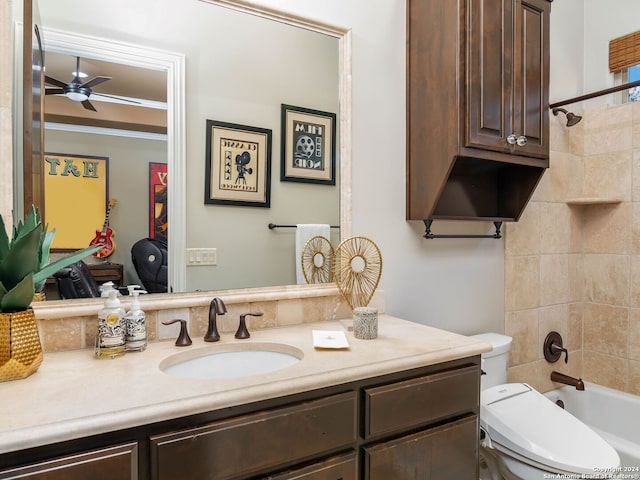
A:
(613, 414)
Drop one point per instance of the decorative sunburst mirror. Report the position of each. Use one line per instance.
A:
(317, 260)
(357, 268)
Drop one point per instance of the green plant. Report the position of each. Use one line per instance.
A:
(24, 261)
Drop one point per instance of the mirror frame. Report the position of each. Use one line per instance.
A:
(174, 65)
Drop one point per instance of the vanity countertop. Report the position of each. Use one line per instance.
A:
(73, 394)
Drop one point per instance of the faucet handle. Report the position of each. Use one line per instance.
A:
(242, 328)
(553, 348)
(183, 340)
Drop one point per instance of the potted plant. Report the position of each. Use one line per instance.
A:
(24, 267)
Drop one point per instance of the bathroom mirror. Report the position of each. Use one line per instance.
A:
(194, 225)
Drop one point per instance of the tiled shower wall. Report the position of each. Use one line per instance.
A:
(572, 264)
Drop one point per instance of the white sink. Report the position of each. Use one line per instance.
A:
(231, 361)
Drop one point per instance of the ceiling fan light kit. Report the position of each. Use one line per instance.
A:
(76, 90)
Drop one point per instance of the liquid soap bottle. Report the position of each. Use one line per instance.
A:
(135, 323)
(110, 341)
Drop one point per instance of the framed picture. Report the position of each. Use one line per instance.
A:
(308, 146)
(238, 165)
(76, 189)
(158, 220)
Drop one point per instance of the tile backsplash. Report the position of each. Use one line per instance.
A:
(72, 325)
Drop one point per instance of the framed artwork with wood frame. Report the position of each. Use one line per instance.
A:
(76, 189)
(237, 165)
(158, 218)
(308, 146)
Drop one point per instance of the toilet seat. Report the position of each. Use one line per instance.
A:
(524, 423)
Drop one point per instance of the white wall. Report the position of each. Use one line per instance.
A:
(604, 21)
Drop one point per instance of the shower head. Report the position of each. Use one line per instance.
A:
(572, 118)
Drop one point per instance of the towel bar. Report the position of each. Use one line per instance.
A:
(273, 225)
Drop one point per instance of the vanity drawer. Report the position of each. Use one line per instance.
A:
(258, 442)
(344, 467)
(419, 401)
(446, 452)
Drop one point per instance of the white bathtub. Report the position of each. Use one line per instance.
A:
(613, 414)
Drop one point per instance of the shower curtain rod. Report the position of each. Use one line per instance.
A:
(599, 93)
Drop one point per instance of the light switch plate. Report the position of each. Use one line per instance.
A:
(202, 256)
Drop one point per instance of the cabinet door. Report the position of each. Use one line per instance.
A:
(344, 467)
(531, 77)
(443, 453)
(489, 73)
(119, 462)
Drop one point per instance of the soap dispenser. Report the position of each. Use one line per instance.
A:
(135, 324)
(110, 340)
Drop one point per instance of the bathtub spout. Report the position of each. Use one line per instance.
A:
(567, 380)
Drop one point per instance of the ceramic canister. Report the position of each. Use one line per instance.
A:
(365, 323)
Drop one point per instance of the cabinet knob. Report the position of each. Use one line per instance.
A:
(512, 139)
(521, 141)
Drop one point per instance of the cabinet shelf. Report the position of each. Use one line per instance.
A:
(594, 201)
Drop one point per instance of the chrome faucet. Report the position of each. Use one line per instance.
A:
(216, 307)
(567, 380)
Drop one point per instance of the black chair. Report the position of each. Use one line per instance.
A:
(149, 257)
(76, 281)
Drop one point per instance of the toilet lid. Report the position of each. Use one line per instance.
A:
(526, 422)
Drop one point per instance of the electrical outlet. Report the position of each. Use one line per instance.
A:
(202, 256)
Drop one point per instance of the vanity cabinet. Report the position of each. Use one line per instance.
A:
(108, 463)
(477, 107)
(418, 423)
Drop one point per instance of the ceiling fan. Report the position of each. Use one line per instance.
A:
(78, 91)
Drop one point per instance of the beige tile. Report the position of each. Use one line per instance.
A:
(552, 319)
(605, 370)
(607, 116)
(559, 134)
(554, 279)
(228, 323)
(635, 280)
(617, 138)
(635, 228)
(522, 282)
(607, 279)
(606, 329)
(58, 335)
(523, 237)
(635, 171)
(576, 277)
(577, 235)
(633, 385)
(289, 312)
(573, 340)
(634, 334)
(573, 369)
(608, 175)
(525, 373)
(607, 228)
(522, 326)
(199, 321)
(563, 179)
(266, 320)
(576, 138)
(555, 228)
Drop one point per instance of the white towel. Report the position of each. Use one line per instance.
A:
(304, 232)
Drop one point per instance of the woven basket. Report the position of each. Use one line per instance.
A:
(20, 349)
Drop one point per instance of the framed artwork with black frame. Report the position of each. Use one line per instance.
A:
(238, 165)
(308, 146)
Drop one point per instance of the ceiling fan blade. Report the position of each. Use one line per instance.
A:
(53, 91)
(87, 104)
(95, 81)
(93, 94)
(53, 81)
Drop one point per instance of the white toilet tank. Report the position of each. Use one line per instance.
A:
(494, 363)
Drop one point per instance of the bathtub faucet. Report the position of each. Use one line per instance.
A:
(567, 380)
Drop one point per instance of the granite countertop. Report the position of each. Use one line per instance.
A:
(73, 394)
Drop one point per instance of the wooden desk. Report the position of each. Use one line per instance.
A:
(102, 272)
(107, 272)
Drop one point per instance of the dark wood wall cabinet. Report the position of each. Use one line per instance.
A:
(477, 107)
(421, 423)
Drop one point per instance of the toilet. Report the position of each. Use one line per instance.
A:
(525, 436)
